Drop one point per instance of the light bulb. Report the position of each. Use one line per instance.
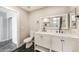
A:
(46, 20)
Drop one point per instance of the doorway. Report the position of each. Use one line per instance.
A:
(8, 30)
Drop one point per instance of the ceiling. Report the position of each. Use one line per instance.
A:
(31, 8)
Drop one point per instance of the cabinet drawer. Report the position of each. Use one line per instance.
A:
(42, 40)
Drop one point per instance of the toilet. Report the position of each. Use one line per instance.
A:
(29, 41)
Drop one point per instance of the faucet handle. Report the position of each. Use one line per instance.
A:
(56, 31)
(62, 32)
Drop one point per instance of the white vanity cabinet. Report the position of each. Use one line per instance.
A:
(65, 44)
(70, 44)
(43, 41)
(56, 43)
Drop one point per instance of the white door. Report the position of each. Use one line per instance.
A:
(10, 28)
(1, 28)
(70, 45)
(56, 43)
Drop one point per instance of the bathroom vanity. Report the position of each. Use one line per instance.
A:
(51, 36)
(45, 41)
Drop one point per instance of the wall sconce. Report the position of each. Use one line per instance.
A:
(76, 16)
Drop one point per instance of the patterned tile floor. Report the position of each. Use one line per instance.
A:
(23, 49)
(7, 46)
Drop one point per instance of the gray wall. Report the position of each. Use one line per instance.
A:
(4, 25)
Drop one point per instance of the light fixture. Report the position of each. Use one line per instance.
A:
(77, 16)
(46, 20)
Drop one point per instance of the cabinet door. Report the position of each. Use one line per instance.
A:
(42, 40)
(70, 45)
(56, 43)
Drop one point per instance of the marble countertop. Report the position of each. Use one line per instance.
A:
(60, 34)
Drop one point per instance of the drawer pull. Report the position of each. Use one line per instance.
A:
(62, 40)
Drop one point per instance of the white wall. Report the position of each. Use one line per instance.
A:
(44, 12)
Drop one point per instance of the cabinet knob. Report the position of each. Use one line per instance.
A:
(62, 40)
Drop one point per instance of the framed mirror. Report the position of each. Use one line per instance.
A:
(65, 21)
(72, 21)
(54, 23)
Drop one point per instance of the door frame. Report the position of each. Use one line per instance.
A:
(18, 24)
